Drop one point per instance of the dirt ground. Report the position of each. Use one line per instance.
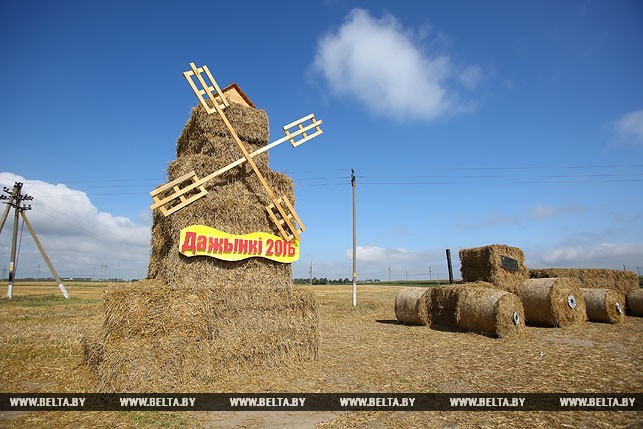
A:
(362, 349)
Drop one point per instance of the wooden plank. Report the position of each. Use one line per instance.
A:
(302, 228)
(304, 140)
(285, 235)
(171, 184)
(298, 121)
(187, 202)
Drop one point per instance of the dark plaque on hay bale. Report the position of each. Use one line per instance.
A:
(196, 318)
(604, 305)
(621, 281)
(501, 265)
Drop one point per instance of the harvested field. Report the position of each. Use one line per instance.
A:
(362, 349)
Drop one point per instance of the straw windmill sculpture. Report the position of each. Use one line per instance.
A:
(189, 187)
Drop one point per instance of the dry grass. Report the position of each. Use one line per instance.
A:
(362, 349)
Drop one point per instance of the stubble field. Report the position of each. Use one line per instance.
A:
(362, 349)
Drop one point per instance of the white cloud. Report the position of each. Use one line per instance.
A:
(377, 62)
(629, 128)
(77, 237)
(588, 255)
(542, 211)
(375, 261)
(471, 76)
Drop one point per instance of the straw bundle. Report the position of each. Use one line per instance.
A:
(207, 134)
(477, 307)
(635, 302)
(621, 281)
(236, 202)
(198, 317)
(552, 302)
(160, 337)
(486, 264)
(412, 306)
(490, 311)
(604, 305)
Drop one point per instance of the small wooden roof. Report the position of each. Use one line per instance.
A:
(235, 94)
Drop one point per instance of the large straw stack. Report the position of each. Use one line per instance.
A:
(554, 302)
(604, 305)
(621, 281)
(412, 306)
(486, 264)
(635, 302)
(159, 338)
(196, 318)
(477, 307)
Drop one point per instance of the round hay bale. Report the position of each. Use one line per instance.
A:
(552, 302)
(412, 306)
(490, 311)
(635, 302)
(604, 305)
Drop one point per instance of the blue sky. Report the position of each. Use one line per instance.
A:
(467, 123)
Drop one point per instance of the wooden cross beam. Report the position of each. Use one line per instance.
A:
(286, 219)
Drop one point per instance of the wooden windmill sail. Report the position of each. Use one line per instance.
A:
(181, 192)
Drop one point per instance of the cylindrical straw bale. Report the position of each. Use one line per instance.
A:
(490, 311)
(635, 302)
(412, 306)
(552, 302)
(604, 305)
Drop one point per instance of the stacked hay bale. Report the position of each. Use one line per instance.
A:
(412, 306)
(635, 302)
(499, 264)
(549, 302)
(196, 318)
(604, 305)
(620, 281)
(477, 307)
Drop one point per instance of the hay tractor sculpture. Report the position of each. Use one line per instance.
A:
(189, 188)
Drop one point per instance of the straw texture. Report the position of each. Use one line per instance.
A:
(485, 264)
(604, 305)
(621, 281)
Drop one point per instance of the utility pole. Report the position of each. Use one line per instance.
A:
(429, 273)
(354, 186)
(389, 274)
(15, 200)
(310, 274)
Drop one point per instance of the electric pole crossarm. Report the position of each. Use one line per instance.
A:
(6, 212)
(44, 255)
